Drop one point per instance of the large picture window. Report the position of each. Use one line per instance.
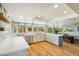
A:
(27, 27)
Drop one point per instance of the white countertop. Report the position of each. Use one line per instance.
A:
(53, 34)
(35, 33)
(72, 33)
(30, 34)
(12, 44)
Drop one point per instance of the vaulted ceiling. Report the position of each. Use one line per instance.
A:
(48, 12)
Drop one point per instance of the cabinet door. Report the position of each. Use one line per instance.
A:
(29, 39)
(55, 39)
(49, 38)
(34, 39)
(41, 37)
(44, 37)
(52, 39)
(37, 38)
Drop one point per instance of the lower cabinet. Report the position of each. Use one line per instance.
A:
(52, 38)
(39, 37)
(55, 39)
(35, 38)
(29, 39)
(58, 40)
(49, 37)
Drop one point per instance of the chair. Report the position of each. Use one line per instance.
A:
(66, 37)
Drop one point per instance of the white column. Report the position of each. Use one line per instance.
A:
(32, 28)
(16, 27)
(26, 28)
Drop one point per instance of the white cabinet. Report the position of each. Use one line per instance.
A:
(38, 37)
(42, 37)
(52, 38)
(29, 39)
(49, 37)
(55, 39)
(34, 39)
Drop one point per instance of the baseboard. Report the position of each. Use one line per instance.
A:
(37, 42)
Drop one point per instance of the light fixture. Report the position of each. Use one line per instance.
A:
(39, 16)
(20, 16)
(55, 6)
(65, 11)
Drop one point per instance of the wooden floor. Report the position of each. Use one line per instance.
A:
(47, 49)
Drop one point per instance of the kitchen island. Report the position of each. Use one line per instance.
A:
(13, 46)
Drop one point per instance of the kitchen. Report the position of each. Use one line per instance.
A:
(29, 24)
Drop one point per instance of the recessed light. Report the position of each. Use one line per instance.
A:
(65, 11)
(55, 6)
(20, 16)
(39, 16)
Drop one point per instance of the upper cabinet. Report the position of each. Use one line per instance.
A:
(3, 16)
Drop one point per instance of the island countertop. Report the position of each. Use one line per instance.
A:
(12, 44)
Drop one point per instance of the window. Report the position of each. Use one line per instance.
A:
(35, 29)
(21, 27)
(50, 30)
(41, 29)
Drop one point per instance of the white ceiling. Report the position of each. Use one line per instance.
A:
(25, 12)
(74, 6)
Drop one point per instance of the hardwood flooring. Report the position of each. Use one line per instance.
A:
(48, 49)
